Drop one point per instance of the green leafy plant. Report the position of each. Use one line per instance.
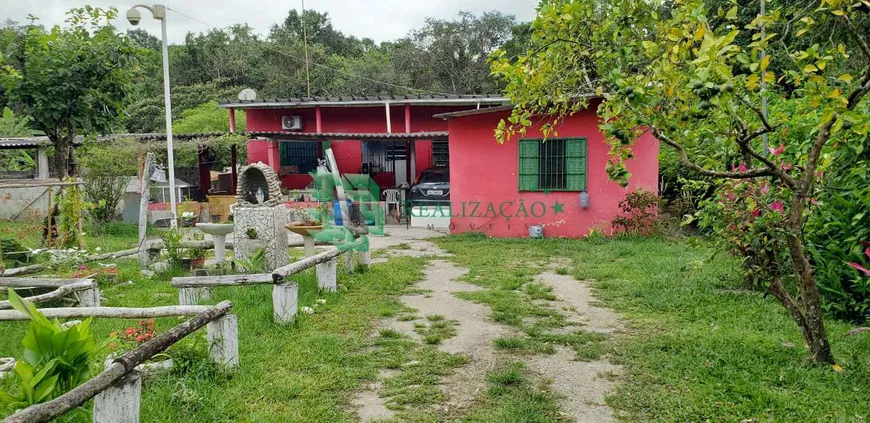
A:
(251, 233)
(34, 388)
(256, 264)
(55, 356)
(172, 243)
(73, 207)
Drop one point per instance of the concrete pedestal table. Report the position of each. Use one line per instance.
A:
(307, 233)
(218, 232)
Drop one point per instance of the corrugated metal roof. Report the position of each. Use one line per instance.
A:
(452, 99)
(472, 112)
(392, 136)
(24, 142)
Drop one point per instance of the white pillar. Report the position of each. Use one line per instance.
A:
(327, 276)
(285, 301)
(220, 247)
(42, 171)
(223, 341)
(192, 296)
(120, 403)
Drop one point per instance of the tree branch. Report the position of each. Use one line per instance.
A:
(865, 48)
(684, 158)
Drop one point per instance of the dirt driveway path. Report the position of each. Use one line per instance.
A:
(580, 386)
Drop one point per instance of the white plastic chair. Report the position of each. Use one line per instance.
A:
(396, 197)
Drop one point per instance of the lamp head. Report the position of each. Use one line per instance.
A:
(133, 16)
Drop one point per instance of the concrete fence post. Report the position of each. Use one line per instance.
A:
(285, 301)
(349, 262)
(120, 403)
(192, 296)
(89, 297)
(223, 340)
(327, 276)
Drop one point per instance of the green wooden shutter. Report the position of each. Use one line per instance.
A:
(528, 165)
(575, 160)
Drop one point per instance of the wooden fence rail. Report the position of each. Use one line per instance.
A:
(285, 294)
(88, 288)
(118, 387)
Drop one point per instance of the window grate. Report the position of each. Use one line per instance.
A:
(440, 154)
(301, 154)
(555, 165)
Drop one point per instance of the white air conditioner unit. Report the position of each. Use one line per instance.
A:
(291, 123)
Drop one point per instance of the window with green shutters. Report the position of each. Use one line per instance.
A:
(555, 165)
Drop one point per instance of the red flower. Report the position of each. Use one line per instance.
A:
(129, 331)
(777, 206)
(756, 212)
(140, 338)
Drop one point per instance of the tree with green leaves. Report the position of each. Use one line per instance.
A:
(73, 80)
(681, 72)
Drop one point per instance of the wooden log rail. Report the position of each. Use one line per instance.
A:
(62, 291)
(33, 268)
(285, 294)
(86, 290)
(119, 385)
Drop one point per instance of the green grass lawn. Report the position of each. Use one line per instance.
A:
(698, 348)
(112, 236)
(302, 372)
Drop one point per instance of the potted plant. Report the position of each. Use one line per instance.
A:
(197, 258)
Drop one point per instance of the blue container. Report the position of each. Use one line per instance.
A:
(336, 211)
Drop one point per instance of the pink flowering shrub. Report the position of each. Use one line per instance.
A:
(747, 218)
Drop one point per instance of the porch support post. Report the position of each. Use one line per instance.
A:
(272, 153)
(203, 171)
(407, 118)
(235, 165)
(389, 121)
(42, 163)
(408, 162)
(317, 119)
(232, 120)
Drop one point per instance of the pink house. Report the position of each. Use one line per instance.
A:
(502, 190)
(499, 190)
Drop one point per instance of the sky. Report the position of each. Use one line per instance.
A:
(380, 20)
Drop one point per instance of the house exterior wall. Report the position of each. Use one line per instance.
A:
(348, 153)
(484, 182)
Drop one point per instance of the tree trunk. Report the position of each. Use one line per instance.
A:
(813, 327)
(60, 161)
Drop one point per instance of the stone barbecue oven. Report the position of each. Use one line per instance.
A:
(258, 175)
(263, 220)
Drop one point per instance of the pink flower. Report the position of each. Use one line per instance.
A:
(764, 188)
(777, 151)
(777, 206)
(859, 267)
(742, 167)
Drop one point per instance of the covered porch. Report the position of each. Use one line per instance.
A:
(392, 160)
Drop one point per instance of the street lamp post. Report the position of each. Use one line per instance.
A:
(159, 12)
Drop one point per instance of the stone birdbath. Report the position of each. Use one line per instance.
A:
(218, 232)
(307, 229)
